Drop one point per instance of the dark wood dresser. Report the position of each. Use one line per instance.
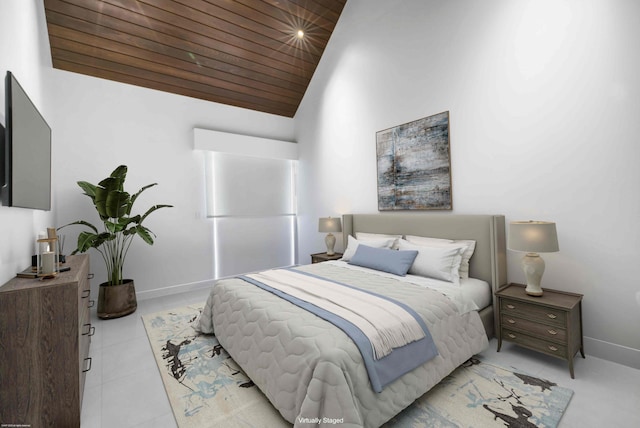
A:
(551, 323)
(45, 333)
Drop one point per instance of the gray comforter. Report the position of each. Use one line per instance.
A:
(310, 370)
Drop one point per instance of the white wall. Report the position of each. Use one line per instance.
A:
(24, 50)
(544, 100)
(100, 124)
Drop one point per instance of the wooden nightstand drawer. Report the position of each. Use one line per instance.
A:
(541, 313)
(527, 341)
(535, 328)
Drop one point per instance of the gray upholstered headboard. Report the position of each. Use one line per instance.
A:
(489, 261)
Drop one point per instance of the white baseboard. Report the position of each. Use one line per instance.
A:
(612, 352)
(174, 289)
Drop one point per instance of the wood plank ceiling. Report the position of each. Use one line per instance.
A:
(244, 53)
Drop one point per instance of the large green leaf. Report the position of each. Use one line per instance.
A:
(135, 195)
(145, 234)
(117, 203)
(120, 172)
(125, 222)
(82, 222)
(89, 189)
(154, 208)
(114, 227)
(86, 240)
(128, 220)
(100, 202)
(116, 180)
(105, 236)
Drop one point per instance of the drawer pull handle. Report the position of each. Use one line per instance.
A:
(86, 293)
(90, 331)
(88, 368)
(511, 321)
(552, 316)
(511, 306)
(553, 348)
(92, 303)
(90, 276)
(512, 336)
(553, 332)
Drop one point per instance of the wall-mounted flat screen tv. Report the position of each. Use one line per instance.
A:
(26, 151)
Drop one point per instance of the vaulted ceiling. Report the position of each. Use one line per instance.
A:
(244, 53)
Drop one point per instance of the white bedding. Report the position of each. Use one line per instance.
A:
(477, 290)
(385, 324)
(472, 294)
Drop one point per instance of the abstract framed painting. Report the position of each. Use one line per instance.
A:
(414, 165)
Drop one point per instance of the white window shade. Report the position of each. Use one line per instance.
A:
(251, 199)
(248, 186)
(248, 244)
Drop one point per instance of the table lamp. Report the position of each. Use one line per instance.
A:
(328, 225)
(533, 237)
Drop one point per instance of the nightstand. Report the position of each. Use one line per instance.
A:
(551, 323)
(323, 257)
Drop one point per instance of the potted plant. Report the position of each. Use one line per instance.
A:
(117, 296)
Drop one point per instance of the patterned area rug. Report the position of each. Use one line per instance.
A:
(207, 389)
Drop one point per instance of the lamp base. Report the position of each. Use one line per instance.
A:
(533, 266)
(330, 240)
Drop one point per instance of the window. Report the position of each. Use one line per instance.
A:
(252, 202)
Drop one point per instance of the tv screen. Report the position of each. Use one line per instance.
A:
(26, 179)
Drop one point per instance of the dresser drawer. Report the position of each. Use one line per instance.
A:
(85, 363)
(84, 293)
(548, 315)
(535, 328)
(532, 342)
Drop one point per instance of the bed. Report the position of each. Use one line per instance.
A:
(311, 371)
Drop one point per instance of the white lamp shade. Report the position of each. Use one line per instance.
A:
(533, 237)
(329, 224)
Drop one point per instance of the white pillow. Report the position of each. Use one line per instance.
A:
(364, 236)
(466, 255)
(352, 245)
(438, 262)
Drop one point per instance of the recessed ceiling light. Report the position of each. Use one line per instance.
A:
(300, 34)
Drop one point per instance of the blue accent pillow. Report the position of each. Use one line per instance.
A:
(392, 261)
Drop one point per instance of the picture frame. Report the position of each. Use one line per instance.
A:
(414, 165)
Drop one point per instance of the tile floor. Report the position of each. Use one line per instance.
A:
(124, 389)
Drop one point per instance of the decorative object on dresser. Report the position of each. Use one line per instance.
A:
(45, 338)
(551, 324)
(414, 165)
(48, 257)
(533, 237)
(324, 257)
(117, 296)
(328, 225)
(61, 256)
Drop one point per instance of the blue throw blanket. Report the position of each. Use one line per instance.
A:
(382, 371)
